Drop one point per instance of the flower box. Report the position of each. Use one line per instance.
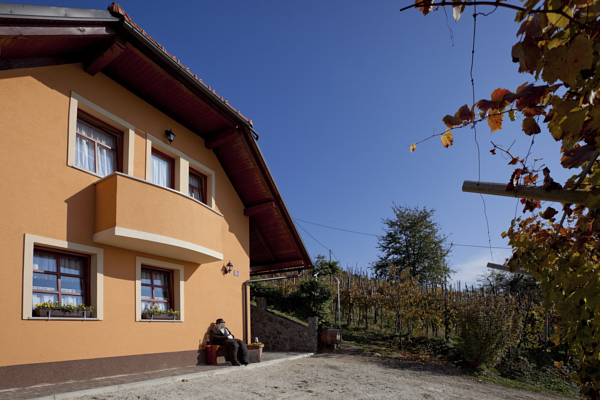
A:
(159, 316)
(58, 313)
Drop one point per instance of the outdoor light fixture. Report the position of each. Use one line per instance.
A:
(170, 135)
(228, 267)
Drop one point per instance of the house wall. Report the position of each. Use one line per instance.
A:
(43, 196)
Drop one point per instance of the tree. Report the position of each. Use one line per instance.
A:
(558, 45)
(412, 244)
(323, 267)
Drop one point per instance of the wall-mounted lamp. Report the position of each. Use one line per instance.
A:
(170, 135)
(228, 267)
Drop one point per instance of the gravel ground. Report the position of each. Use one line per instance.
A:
(329, 377)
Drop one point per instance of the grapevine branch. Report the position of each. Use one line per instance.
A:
(469, 123)
(557, 11)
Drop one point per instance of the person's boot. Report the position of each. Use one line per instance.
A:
(235, 363)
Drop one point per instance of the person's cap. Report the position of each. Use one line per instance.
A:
(219, 321)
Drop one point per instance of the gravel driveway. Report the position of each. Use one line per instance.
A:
(328, 377)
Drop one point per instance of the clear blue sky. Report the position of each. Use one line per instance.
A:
(338, 90)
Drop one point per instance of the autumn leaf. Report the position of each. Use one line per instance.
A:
(494, 120)
(484, 105)
(452, 121)
(513, 161)
(498, 95)
(457, 12)
(465, 114)
(413, 148)
(577, 156)
(530, 126)
(424, 6)
(447, 139)
(566, 62)
(530, 179)
(512, 115)
(549, 213)
(530, 205)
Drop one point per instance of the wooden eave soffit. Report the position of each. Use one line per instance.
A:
(222, 137)
(260, 207)
(105, 58)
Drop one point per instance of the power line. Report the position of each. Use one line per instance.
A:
(313, 237)
(479, 246)
(339, 229)
(375, 235)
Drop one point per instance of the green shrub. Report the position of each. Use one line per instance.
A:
(487, 328)
(310, 299)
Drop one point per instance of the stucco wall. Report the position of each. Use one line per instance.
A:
(280, 334)
(43, 196)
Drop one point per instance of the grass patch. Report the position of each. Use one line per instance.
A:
(547, 382)
(288, 317)
(534, 378)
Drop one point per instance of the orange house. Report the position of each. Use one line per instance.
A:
(136, 203)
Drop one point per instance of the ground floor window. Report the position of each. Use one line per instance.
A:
(159, 290)
(156, 289)
(60, 278)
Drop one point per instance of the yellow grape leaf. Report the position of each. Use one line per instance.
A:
(447, 139)
(494, 120)
(512, 115)
(413, 148)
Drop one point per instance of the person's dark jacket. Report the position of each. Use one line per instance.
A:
(217, 338)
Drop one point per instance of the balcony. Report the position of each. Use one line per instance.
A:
(137, 215)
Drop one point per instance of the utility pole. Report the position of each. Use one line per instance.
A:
(338, 317)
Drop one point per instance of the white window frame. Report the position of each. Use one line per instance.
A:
(178, 285)
(96, 274)
(78, 102)
(182, 166)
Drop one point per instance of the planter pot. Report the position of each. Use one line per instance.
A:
(159, 317)
(255, 354)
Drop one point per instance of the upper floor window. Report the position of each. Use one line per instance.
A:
(162, 170)
(97, 146)
(197, 186)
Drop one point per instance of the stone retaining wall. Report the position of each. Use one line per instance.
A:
(281, 334)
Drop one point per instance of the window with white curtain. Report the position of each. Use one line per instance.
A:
(162, 172)
(197, 186)
(96, 149)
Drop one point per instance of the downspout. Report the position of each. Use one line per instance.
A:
(246, 291)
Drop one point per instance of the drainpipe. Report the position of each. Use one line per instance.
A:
(246, 291)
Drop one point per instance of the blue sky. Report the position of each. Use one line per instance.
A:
(338, 90)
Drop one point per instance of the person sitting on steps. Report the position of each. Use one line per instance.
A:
(235, 350)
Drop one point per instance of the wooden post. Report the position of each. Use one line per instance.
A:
(505, 268)
(531, 192)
